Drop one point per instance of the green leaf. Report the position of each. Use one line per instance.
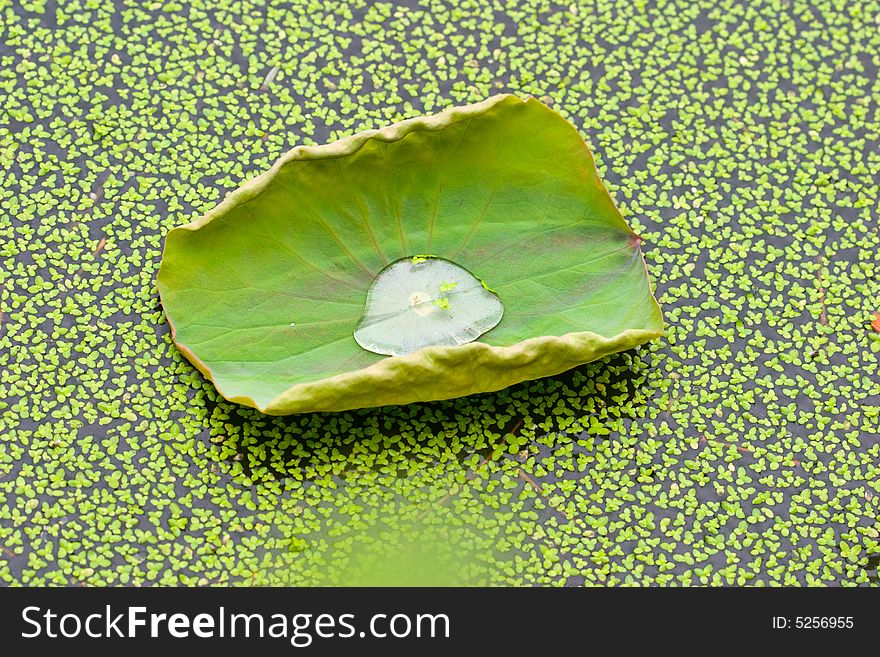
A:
(265, 291)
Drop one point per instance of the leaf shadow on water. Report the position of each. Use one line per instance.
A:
(439, 448)
(385, 438)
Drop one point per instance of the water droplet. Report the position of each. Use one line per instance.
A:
(424, 301)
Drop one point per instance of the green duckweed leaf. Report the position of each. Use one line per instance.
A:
(264, 293)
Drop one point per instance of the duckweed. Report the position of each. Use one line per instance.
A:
(739, 139)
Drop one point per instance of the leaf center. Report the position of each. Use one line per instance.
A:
(421, 303)
(425, 301)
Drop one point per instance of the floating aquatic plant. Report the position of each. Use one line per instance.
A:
(741, 448)
(308, 288)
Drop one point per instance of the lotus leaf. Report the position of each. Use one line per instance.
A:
(265, 293)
